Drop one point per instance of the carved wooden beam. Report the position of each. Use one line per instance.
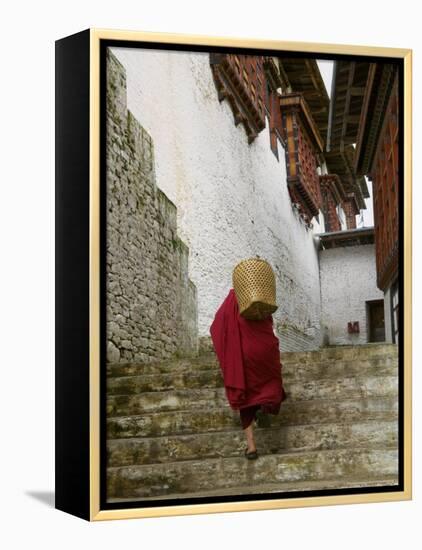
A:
(246, 98)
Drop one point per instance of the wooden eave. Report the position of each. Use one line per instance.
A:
(273, 74)
(359, 186)
(341, 163)
(377, 94)
(347, 100)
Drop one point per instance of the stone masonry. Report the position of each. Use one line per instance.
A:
(151, 302)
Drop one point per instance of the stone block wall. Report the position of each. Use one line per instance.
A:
(151, 302)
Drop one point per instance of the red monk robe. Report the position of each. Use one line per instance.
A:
(249, 357)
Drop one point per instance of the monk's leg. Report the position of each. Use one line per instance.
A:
(250, 438)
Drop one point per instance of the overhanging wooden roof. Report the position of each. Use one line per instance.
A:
(342, 164)
(378, 89)
(359, 98)
(346, 111)
(348, 90)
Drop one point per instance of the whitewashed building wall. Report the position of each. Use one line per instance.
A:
(232, 198)
(348, 281)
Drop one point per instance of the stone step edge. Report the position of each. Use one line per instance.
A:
(350, 397)
(289, 450)
(286, 383)
(231, 458)
(289, 375)
(387, 417)
(214, 364)
(343, 483)
(260, 430)
(386, 346)
(167, 393)
(236, 412)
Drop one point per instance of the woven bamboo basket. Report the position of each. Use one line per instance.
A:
(254, 286)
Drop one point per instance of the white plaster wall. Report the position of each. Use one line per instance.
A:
(342, 217)
(231, 197)
(318, 226)
(348, 280)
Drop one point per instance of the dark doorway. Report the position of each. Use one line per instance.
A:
(376, 323)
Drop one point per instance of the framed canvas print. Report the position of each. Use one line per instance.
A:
(233, 274)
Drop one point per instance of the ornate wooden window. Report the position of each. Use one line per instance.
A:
(240, 79)
(304, 144)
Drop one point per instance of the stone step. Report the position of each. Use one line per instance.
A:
(231, 443)
(127, 385)
(332, 368)
(278, 469)
(207, 419)
(365, 351)
(293, 363)
(136, 400)
(201, 362)
(271, 488)
(212, 378)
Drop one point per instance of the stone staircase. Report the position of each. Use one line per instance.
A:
(172, 434)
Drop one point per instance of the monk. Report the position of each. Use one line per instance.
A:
(249, 358)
